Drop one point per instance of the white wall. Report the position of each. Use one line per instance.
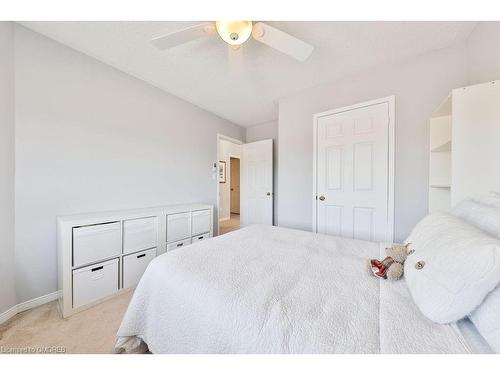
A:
(268, 130)
(226, 150)
(91, 138)
(7, 157)
(419, 86)
(483, 53)
(262, 131)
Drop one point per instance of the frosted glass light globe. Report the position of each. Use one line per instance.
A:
(234, 32)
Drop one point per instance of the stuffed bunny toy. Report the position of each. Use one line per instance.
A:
(391, 267)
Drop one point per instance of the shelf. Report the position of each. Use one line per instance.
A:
(440, 138)
(445, 147)
(444, 108)
(439, 199)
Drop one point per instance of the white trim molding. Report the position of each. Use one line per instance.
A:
(391, 101)
(24, 306)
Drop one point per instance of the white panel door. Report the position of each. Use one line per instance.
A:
(352, 177)
(256, 190)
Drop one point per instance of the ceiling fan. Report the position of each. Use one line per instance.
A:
(235, 33)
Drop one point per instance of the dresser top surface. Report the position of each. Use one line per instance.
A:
(115, 215)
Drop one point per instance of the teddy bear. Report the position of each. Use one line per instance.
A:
(391, 267)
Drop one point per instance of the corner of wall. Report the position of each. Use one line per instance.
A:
(483, 53)
(8, 295)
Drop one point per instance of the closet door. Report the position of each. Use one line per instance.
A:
(352, 176)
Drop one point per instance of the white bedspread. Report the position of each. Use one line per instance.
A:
(265, 289)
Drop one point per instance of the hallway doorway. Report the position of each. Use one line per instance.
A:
(233, 223)
(245, 183)
(234, 190)
(234, 197)
(229, 153)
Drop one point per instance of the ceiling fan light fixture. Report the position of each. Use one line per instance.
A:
(234, 32)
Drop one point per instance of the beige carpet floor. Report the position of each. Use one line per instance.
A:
(229, 225)
(91, 331)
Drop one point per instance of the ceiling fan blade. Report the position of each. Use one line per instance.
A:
(183, 36)
(281, 41)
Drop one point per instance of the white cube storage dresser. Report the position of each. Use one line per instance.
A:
(102, 254)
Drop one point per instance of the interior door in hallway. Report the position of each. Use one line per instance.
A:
(235, 185)
(257, 183)
(354, 172)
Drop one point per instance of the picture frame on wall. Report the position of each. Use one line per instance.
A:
(222, 172)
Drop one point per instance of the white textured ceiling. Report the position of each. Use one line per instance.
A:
(244, 86)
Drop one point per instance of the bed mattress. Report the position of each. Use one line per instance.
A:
(265, 289)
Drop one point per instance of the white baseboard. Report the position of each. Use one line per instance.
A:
(19, 308)
(8, 314)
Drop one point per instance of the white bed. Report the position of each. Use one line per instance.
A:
(266, 289)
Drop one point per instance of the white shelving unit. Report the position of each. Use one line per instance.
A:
(464, 154)
(105, 253)
(476, 135)
(440, 157)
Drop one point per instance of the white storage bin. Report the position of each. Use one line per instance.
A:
(178, 244)
(96, 242)
(134, 266)
(201, 222)
(94, 282)
(139, 234)
(200, 237)
(178, 226)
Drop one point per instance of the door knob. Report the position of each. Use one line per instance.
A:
(268, 193)
(322, 198)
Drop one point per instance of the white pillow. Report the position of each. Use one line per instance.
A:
(484, 212)
(490, 199)
(460, 265)
(485, 217)
(486, 318)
